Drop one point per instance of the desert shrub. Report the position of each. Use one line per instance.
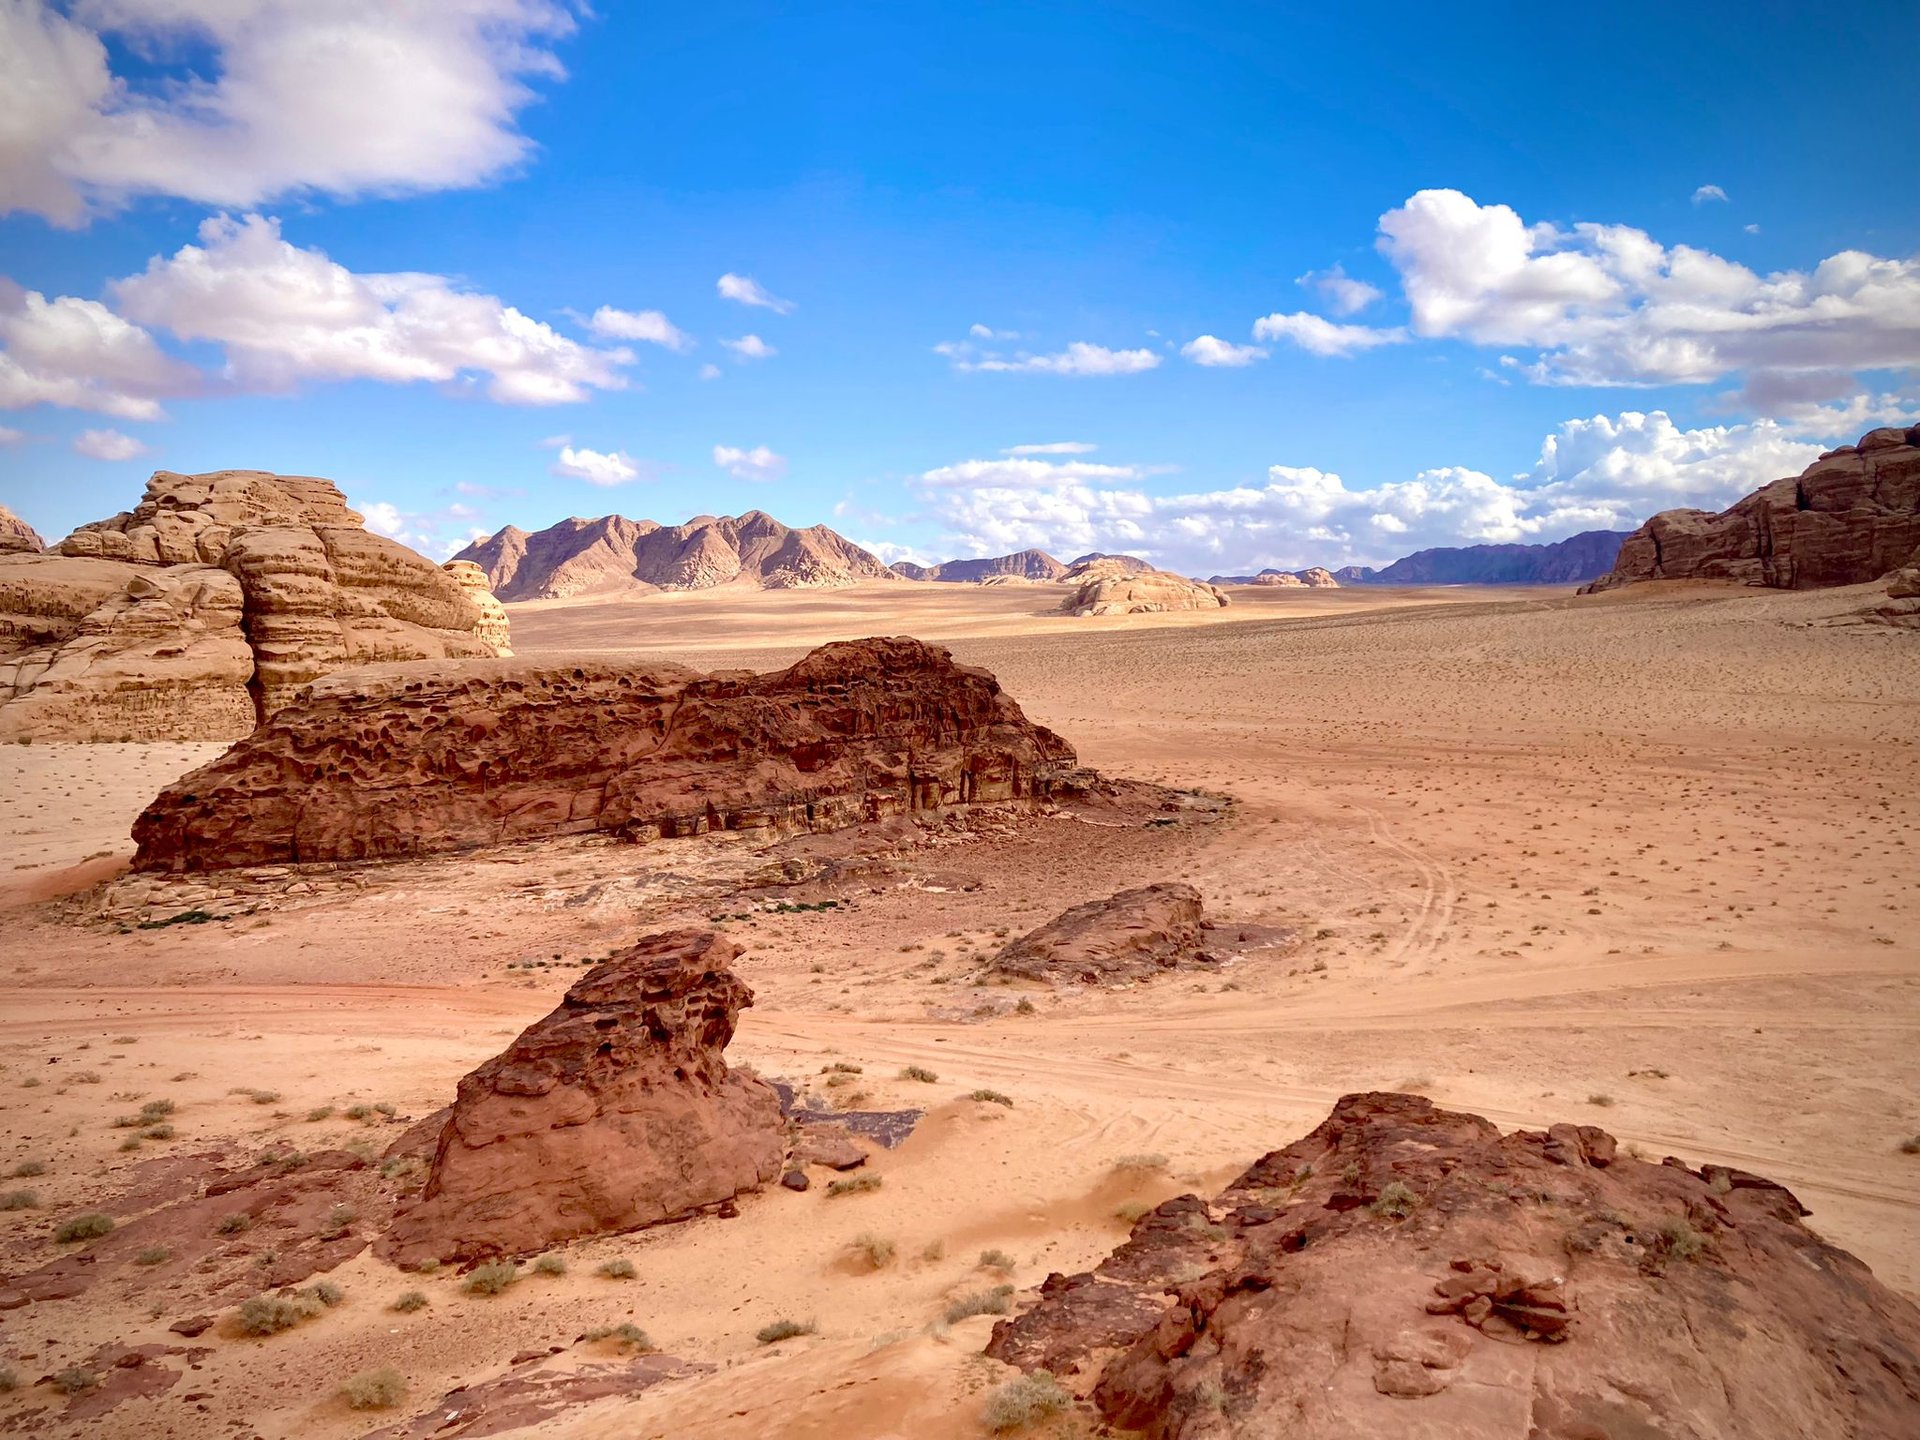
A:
(853, 1185)
(492, 1277)
(1395, 1201)
(28, 1169)
(380, 1389)
(158, 1132)
(935, 1250)
(550, 1264)
(1025, 1007)
(83, 1227)
(9, 1381)
(427, 1266)
(319, 1113)
(1140, 1164)
(920, 1073)
(87, 1077)
(326, 1292)
(132, 1142)
(1600, 1100)
(877, 1250)
(628, 1336)
(233, 1223)
(338, 1222)
(841, 1067)
(783, 1330)
(1025, 1402)
(20, 1200)
(996, 1260)
(410, 1301)
(153, 1255)
(616, 1270)
(360, 1112)
(1909, 1146)
(258, 1097)
(1131, 1211)
(75, 1380)
(992, 1097)
(1678, 1240)
(996, 1301)
(270, 1314)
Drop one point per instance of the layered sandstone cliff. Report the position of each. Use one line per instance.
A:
(615, 1111)
(1108, 587)
(401, 760)
(16, 535)
(208, 605)
(1850, 517)
(1405, 1270)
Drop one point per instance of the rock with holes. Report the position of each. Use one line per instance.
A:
(616, 1111)
(1406, 1270)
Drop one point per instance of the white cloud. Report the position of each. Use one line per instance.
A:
(1709, 192)
(1607, 472)
(596, 467)
(987, 332)
(748, 291)
(1079, 358)
(1057, 447)
(750, 347)
(889, 553)
(79, 354)
(10, 437)
(759, 463)
(107, 445)
(284, 315)
(710, 371)
(1343, 293)
(1322, 336)
(651, 326)
(436, 533)
(1211, 350)
(347, 98)
(1608, 305)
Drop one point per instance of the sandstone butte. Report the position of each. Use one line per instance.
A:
(403, 760)
(1106, 586)
(16, 535)
(615, 1111)
(1406, 1270)
(1851, 517)
(204, 609)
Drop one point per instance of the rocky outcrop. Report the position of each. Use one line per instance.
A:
(1850, 517)
(1315, 577)
(1021, 565)
(210, 603)
(1124, 564)
(491, 628)
(1125, 936)
(405, 760)
(1105, 587)
(16, 536)
(1901, 605)
(615, 1111)
(1409, 1270)
(614, 555)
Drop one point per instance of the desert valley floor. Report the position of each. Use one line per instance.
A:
(1648, 860)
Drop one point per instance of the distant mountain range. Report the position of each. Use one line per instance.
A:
(1313, 578)
(1572, 561)
(1021, 565)
(614, 555)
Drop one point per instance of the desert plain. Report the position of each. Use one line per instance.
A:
(1648, 860)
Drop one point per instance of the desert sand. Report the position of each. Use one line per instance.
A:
(1645, 860)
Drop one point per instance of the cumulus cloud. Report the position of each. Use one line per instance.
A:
(1320, 336)
(1344, 294)
(1056, 447)
(1211, 350)
(1607, 472)
(10, 437)
(284, 315)
(710, 371)
(749, 291)
(79, 354)
(987, 332)
(107, 445)
(759, 463)
(750, 347)
(347, 98)
(890, 553)
(605, 468)
(1609, 305)
(1708, 192)
(1079, 358)
(650, 326)
(438, 533)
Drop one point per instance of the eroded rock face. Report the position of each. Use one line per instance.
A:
(17, 536)
(1850, 517)
(405, 760)
(1125, 936)
(615, 1111)
(493, 628)
(1409, 1270)
(213, 601)
(1108, 587)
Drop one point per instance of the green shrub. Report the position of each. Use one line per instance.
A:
(20, 1200)
(996, 1260)
(28, 1169)
(1025, 1402)
(318, 1113)
(876, 1250)
(852, 1185)
(996, 1301)
(992, 1097)
(1679, 1240)
(782, 1330)
(628, 1336)
(270, 1314)
(1132, 1211)
(75, 1380)
(1395, 1201)
(83, 1227)
(410, 1301)
(920, 1073)
(551, 1264)
(338, 1222)
(380, 1389)
(616, 1270)
(153, 1255)
(492, 1277)
(233, 1223)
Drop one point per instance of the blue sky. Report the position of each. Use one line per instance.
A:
(1296, 284)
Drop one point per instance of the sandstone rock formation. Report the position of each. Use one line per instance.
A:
(615, 1111)
(1315, 577)
(1901, 607)
(1105, 587)
(1850, 517)
(613, 555)
(16, 535)
(1124, 564)
(209, 604)
(1021, 565)
(403, 760)
(1407, 1270)
(1125, 936)
(491, 628)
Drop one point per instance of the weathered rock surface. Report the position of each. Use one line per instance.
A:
(1406, 1270)
(16, 535)
(201, 611)
(492, 628)
(1125, 564)
(613, 554)
(404, 760)
(1850, 517)
(1107, 587)
(1901, 607)
(1127, 935)
(615, 1111)
(1316, 577)
(1021, 565)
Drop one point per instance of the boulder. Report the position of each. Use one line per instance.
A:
(404, 760)
(615, 1111)
(1127, 936)
(17, 536)
(1107, 586)
(1850, 517)
(212, 602)
(1406, 1270)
